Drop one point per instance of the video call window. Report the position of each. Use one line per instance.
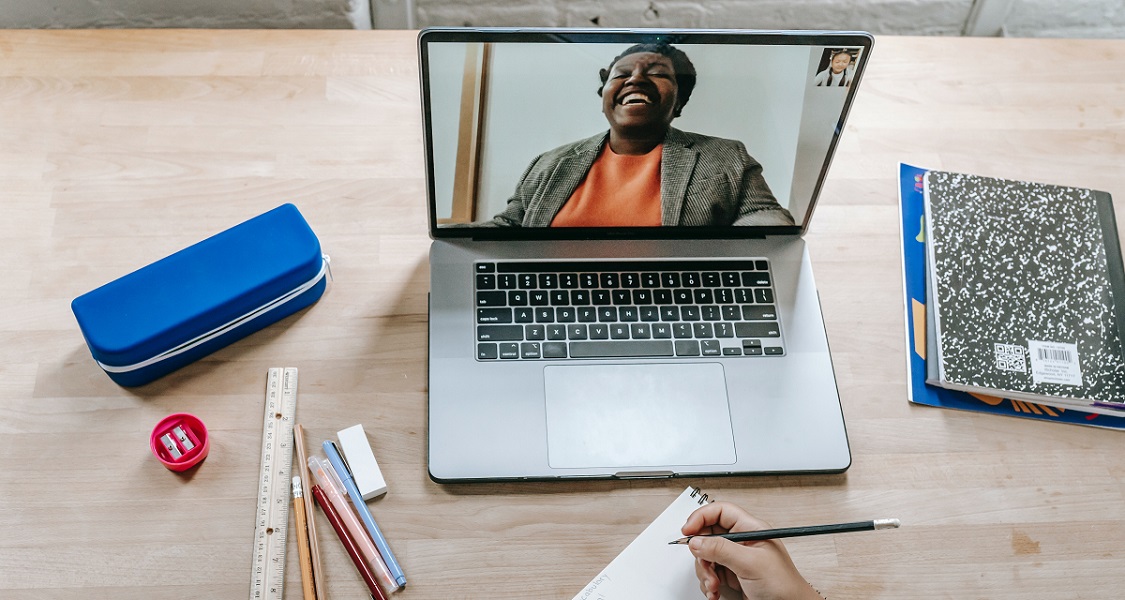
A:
(615, 135)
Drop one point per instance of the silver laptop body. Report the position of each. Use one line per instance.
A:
(569, 340)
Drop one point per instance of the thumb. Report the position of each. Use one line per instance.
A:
(735, 557)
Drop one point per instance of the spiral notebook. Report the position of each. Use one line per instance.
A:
(650, 568)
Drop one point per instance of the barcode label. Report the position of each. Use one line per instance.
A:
(1054, 362)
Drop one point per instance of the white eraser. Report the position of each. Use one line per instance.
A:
(365, 470)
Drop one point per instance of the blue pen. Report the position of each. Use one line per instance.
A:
(360, 504)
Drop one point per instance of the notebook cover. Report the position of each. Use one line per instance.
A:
(912, 231)
(1023, 295)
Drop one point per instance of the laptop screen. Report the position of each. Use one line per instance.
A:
(565, 133)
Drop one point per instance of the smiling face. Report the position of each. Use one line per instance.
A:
(841, 62)
(640, 96)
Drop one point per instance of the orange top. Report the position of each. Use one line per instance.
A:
(619, 190)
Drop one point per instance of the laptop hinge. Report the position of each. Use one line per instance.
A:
(644, 474)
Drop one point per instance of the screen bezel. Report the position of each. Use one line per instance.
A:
(853, 39)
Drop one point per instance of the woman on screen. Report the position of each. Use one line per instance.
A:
(644, 172)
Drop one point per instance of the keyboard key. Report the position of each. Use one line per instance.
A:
(640, 331)
(682, 296)
(661, 330)
(527, 281)
(691, 279)
(710, 313)
(761, 279)
(601, 297)
(682, 330)
(650, 280)
(619, 331)
(744, 296)
(560, 298)
(630, 280)
(517, 298)
(534, 332)
(506, 281)
(753, 351)
(724, 330)
(509, 350)
(757, 329)
(703, 296)
(499, 333)
(764, 312)
(670, 280)
(548, 281)
(580, 297)
(689, 313)
(568, 281)
(486, 282)
(494, 315)
(523, 315)
(607, 314)
(491, 299)
(650, 313)
(599, 332)
(576, 332)
(703, 330)
(620, 349)
(751, 344)
(628, 313)
(642, 296)
(622, 297)
(587, 314)
(662, 296)
(530, 350)
(687, 348)
(538, 298)
(763, 295)
(554, 350)
(731, 279)
(486, 267)
(732, 351)
(609, 280)
(669, 313)
(774, 350)
(565, 314)
(487, 351)
(732, 313)
(761, 265)
(588, 280)
(724, 296)
(556, 332)
(710, 348)
(711, 279)
(544, 315)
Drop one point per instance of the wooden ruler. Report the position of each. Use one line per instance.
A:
(271, 522)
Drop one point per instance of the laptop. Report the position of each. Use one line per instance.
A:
(619, 283)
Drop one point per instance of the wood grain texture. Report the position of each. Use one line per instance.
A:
(119, 147)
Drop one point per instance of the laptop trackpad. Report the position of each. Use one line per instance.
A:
(649, 415)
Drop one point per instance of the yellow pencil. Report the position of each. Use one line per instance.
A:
(303, 540)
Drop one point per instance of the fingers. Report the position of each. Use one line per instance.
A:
(737, 558)
(721, 517)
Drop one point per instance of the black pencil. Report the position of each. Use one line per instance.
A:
(786, 532)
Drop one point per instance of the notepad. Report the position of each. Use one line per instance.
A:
(650, 568)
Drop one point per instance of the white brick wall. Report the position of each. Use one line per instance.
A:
(1026, 18)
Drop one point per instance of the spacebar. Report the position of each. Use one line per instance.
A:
(620, 349)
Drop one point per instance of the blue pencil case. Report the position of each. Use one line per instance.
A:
(189, 304)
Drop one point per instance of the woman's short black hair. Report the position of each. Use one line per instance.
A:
(685, 71)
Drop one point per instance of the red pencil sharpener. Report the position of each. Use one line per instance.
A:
(180, 441)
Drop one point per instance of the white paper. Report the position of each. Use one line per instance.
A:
(1054, 362)
(649, 567)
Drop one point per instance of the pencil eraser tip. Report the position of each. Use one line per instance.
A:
(365, 469)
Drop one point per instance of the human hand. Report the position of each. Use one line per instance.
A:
(760, 570)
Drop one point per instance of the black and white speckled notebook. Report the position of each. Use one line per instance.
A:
(1028, 290)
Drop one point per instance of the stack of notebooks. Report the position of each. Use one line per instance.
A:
(1015, 297)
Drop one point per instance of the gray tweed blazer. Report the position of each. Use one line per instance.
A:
(704, 181)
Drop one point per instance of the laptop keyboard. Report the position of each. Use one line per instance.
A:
(641, 309)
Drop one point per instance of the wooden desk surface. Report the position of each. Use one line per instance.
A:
(119, 147)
